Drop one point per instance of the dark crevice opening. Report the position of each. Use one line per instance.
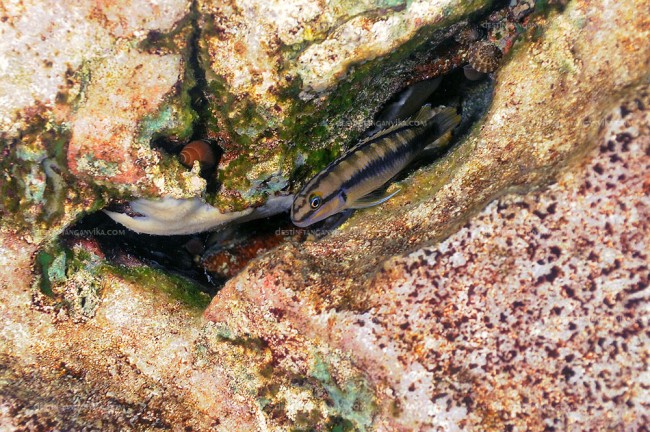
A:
(198, 103)
(232, 247)
(183, 255)
(198, 99)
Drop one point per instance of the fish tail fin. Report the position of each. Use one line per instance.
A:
(446, 119)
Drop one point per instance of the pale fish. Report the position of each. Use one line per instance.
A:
(169, 216)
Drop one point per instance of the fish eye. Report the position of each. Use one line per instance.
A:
(315, 200)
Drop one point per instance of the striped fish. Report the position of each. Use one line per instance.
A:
(355, 180)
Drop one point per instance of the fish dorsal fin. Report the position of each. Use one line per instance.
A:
(424, 115)
(374, 198)
(381, 133)
(409, 101)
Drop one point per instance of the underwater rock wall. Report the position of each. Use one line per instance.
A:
(430, 311)
(291, 82)
(110, 93)
(445, 337)
(82, 96)
(532, 316)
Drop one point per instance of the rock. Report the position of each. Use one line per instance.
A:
(80, 95)
(409, 324)
(287, 80)
(124, 82)
(431, 310)
(136, 363)
(518, 145)
(530, 316)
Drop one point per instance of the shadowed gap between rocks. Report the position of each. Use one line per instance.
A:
(211, 258)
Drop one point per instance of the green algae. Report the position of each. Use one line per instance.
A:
(312, 128)
(352, 399)
(315, 401)
(245, 130)
(171, 122)
(176, 118)
(71, 279)
(243, 121)
(42, 263)
(35, 182)
(311, 133)
(338, 424)
(68, 280)
(175, 287)
(56, 271)
(169, 42)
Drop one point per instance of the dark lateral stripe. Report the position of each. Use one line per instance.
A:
(375, 166)
(399, 150)
(361, 147)
(395, 154)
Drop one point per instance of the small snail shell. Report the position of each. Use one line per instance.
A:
(468, 35)
(484, 57)
(197, 151)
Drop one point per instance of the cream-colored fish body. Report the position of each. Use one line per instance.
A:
(349, 181)
(170, 216)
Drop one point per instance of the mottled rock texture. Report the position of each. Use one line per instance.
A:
(549, 104)
(431, 312)
(109, 92)
(533, 315)
(83, 94)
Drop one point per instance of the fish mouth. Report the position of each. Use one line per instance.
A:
(301, 224)
(312, 219)
(296, 222)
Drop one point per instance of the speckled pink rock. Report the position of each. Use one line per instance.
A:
(45, 43)
(533, 316)
(139, 363)
(130, 86)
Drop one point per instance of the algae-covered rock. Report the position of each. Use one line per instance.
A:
(81, 101)
(270, 83)
(530, 316)
(287, 80)
(496, 327)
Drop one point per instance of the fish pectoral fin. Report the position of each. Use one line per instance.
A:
(373, 198)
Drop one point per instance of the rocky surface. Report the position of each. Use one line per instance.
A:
(549, 102)
(530, 315)
(548, 108)
(289, 82)
(111, 92)
(533, 316)
(83, 95)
